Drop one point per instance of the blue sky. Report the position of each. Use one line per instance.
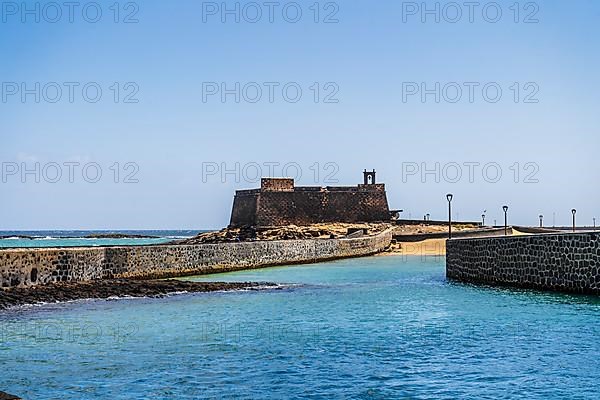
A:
(165, 127)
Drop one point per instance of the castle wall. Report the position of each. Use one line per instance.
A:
(30, 267)
(276, 184)
(567, 262)
(297, 208)
(279, 206)
(244, 211)
(356, 206)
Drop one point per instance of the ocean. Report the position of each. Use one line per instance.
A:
(385, 327)
(83, 239)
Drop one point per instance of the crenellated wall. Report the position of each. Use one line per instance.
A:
(567, 262)
(278, 202)
(29, 267)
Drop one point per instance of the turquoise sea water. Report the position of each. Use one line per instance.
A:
(11, 239)
(373, 328)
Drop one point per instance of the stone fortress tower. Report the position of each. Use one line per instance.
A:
(278, 202)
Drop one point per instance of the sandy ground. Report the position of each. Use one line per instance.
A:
(519, 233)
(424, 228)
(429, 247)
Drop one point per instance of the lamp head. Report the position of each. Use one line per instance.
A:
(505, 208)
(449, 196)
(573, 211)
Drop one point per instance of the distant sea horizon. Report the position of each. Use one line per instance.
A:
(84, 238)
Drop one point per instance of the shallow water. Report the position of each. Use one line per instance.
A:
(372, 328)
(33, 239)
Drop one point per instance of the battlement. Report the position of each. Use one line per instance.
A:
(276, 185)
(247, 192)
(278, 202)
(341, 188)
(287, 185)
(308, 189)
(372, 187)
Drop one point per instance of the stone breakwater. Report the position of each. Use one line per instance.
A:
(558, 262)
(30, 267)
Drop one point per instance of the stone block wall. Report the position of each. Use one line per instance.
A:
(308, 207)
(280, 206)
(276, 184)
(245, 204)
(29, 267)
(567, 262)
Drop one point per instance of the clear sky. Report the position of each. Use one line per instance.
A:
(402, 87)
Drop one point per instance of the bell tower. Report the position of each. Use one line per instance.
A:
(369, 177)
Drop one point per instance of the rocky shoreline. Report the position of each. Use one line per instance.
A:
(288, 232)
(117, 236)
(90, 236)
(103, 289)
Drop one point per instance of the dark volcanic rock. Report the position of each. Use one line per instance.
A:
(119, 236)
(288, 232)
(6, 396)
(102, 289)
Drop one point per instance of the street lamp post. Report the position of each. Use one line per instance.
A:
(482, 219)
(505, 209)
(594, 223)
(541, 221)
(573, 211)
(428, 217)
(449, 198)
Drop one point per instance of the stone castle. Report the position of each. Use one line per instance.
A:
(278, 202)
